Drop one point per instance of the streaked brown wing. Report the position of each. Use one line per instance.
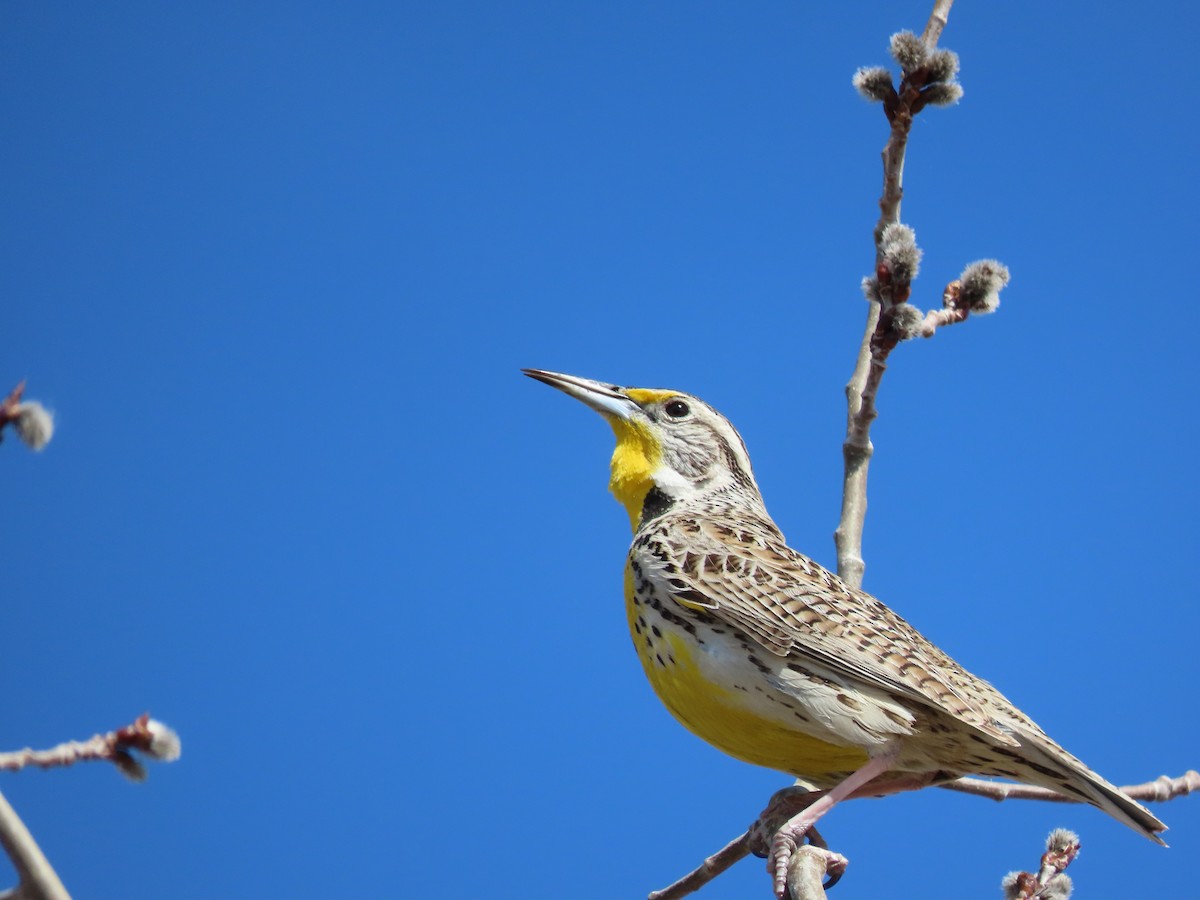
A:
(752, 580)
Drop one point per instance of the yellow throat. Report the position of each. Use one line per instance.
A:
(636, 457)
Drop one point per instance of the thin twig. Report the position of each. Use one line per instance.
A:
(872, 358)
(38, 880)
(144, 735)
(856, 454)
(937, 21)
(737, 849)
(10, 405)
(1159, 790)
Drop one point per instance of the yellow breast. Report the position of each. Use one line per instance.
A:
(718, 712)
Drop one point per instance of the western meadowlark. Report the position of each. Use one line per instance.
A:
(773, 659)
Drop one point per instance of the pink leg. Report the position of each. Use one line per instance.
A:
(788, 837)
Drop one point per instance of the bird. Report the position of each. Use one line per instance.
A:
(768, 656)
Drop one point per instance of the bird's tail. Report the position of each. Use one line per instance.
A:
(1048, 765)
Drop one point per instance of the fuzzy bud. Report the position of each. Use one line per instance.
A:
(1061, 839)
(906, 321)
(874, 83)
(1058, 888)
(1018, 885)
(942, 66)
(870, 289)
(909, 51)
(34, 424)
(942, 94)
(980, 285)
(900, 253)
(164, 742)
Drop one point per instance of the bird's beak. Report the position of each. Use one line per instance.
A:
(607, 399)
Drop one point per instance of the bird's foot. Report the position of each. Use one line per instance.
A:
(784, 806)
(802, 865)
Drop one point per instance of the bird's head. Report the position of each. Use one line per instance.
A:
(671, 447)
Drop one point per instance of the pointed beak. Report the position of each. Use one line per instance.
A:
(607, 399)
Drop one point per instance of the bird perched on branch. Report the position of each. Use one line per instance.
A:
(776, 661)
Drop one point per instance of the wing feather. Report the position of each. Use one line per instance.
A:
(749, 578)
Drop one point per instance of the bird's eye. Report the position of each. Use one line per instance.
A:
(677, 409)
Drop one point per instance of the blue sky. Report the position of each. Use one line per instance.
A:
(276, 267)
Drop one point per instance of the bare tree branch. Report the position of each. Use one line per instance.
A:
(937, 21)
(145, 735)
(37, 878)
(899, 107)
(1159, 790)
(737, 849)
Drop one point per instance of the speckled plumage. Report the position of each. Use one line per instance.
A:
(767, 655)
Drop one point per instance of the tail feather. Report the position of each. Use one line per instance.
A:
(1048, 765)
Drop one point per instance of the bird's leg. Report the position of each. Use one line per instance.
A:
(787, 838)
(784, 805)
